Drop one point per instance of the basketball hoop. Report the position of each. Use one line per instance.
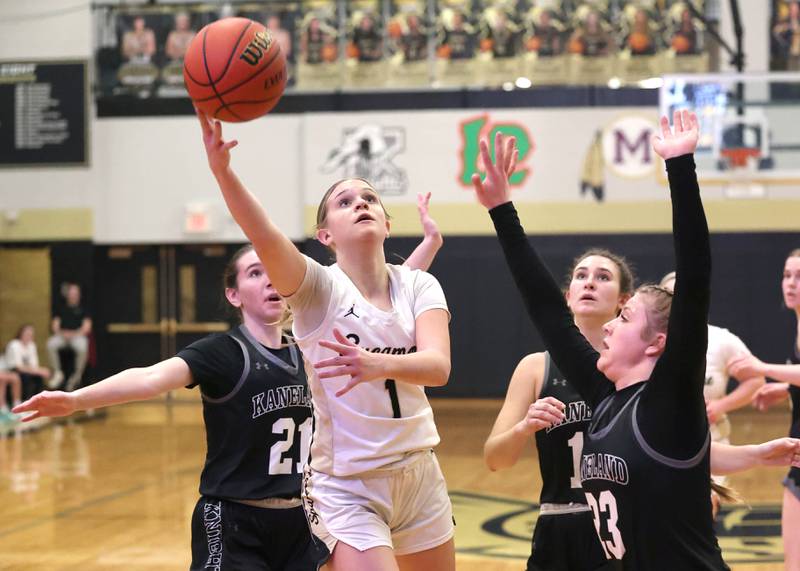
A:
(742, 163)
(739, 157)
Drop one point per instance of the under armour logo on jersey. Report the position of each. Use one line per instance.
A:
(562, 382)
(260, 366)
(352, 311)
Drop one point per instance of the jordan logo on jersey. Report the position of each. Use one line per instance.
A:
(352, 311)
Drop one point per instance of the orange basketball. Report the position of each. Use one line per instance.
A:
(329, 53)
(444, 51)
(352, 51)
(639, 41)
(486, 44)
(534, 43)
(234, 70)
(395, 29)
(575, 46)
(681, 44)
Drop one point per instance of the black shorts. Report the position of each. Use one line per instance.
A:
(229, 535)
(566, 542)
(792, 482)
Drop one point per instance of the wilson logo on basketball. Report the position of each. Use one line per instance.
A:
(255, 50)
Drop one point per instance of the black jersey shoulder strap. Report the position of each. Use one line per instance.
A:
(601, 409)
(268, 355)
(666, 460)
(239, 383)
(546, 380)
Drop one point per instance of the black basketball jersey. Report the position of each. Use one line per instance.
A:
(645, 505)
(794, 393)
(560, 446)
(259, 434)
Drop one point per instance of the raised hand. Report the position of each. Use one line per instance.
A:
(429, 226)
(779, 452)
(361, 366)
(681, 139)
(543, 413)
(217, 149)
(493, 190)
(47, 403)
(770, 394)
(746, 366)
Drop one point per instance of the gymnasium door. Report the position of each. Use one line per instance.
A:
(152, 301)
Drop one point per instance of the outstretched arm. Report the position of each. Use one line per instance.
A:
(545, 302)
(752, 366)
(729, 459)
(284, 263)
(422, 256)
(674, 394)
(127, 386)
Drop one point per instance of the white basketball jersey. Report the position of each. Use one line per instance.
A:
(722, 347)
(377, 423)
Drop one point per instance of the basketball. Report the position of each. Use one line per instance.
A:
(681, 44)
(576, 46)
(534, 44)
(638, 41)
(234, 70)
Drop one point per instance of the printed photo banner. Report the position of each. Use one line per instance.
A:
(580, 170)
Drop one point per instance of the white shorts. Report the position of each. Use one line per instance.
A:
(406, 509)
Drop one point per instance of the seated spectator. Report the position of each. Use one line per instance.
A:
(590, 38)
(22, 358)
(366, 44)
(318, 42)
(500, 36)
(139, 44)
(456, 37)
(9, 378)
(683, 38)
(640, 39)
(786, 34)
(544, 34)
(71, 327)
(179, 39)
(413, 40)
(281, 35)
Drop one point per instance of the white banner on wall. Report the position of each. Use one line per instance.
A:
(580, 170)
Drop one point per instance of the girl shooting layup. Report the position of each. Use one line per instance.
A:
(377, 335)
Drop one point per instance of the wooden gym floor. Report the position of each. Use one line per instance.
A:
(116, 491)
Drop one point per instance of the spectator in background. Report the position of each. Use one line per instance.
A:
(139, 44)
(544, 34)
(641, 39)
(22, 358)
(367, 44)
(71, 327)
(590, 38)
(280, 34)
(414, 39)
(9, 378)
(500, 36)
(318, 42)
(787, 37)
(178, 39)
(684, 40)
(457, 37)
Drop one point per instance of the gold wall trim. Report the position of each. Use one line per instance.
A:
(591, 218)
(46, 224)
